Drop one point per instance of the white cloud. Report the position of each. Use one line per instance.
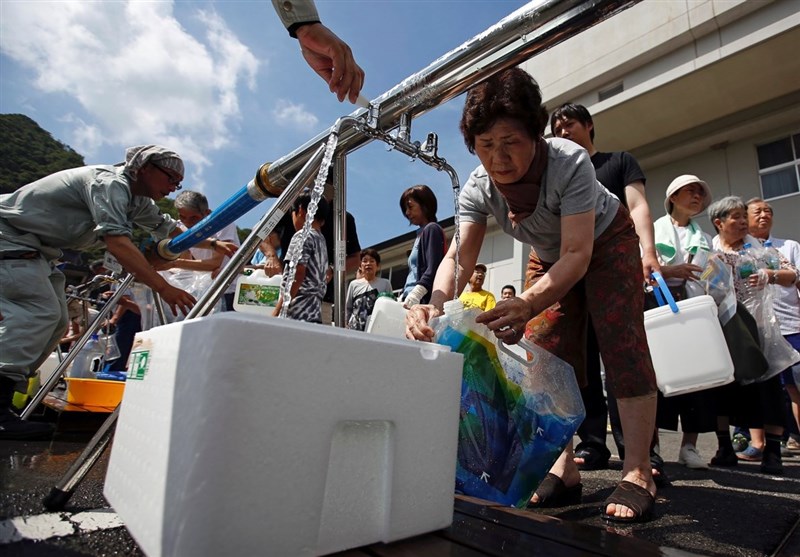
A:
(86, 138)
(135, 70)
(292, 115)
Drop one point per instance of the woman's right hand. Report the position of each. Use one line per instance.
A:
(684, 271)
(417, 319)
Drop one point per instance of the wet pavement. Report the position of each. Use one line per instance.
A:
(730, 512)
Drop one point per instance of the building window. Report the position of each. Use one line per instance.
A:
(779, 167)
(397, 276)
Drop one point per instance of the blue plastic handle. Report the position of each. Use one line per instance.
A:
(662, 293)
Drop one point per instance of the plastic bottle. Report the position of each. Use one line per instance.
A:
(772, 256)
(388, 318)
(89, 360)
(453, 316)
(257, 293)
(747, 263)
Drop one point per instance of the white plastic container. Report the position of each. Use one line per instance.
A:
(249, 436)
(688, 348)
(89, 360)
(388, 318)
(257, 293)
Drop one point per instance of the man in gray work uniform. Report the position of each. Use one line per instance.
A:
(74, 209)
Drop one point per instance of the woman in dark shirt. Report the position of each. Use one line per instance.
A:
(418, 204)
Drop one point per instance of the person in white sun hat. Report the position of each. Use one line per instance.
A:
(682, 248)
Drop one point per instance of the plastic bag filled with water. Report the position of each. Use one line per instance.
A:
(518, 411)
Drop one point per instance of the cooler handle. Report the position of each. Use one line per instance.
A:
(662, 292)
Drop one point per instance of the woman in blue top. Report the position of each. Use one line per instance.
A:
(418, 204)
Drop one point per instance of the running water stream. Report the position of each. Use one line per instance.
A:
(296, 247)
(457, 240)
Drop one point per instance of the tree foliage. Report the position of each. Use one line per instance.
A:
(27, 153)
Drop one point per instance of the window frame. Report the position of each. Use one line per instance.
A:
(794, 163)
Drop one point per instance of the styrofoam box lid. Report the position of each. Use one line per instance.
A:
(266, 436)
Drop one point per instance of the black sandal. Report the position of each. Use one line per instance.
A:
(635, 498)
(593, 458)
(553, 493)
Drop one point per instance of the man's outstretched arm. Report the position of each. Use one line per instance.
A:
(328, 55)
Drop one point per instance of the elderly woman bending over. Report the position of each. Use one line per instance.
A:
(545, 193)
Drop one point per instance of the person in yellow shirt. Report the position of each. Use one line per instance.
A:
(477, 297)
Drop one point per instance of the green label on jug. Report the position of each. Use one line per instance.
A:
(258, 295)
(138, 364)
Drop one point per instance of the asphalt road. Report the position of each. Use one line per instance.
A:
(731, 512)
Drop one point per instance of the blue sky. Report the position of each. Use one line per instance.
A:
(224, 85)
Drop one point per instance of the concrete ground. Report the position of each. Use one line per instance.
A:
(720, 511)
(724, 512)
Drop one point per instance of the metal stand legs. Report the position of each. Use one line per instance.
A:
(57, 499)
(63, 490)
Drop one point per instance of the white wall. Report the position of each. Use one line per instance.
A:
(730, 170)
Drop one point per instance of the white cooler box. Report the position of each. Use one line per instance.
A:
(688, 348)
(248, 435)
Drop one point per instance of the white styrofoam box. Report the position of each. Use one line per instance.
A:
(388, 318)
(688, 348)
(252, 435)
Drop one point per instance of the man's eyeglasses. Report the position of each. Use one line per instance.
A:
(173, 181)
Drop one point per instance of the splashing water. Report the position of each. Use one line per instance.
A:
(296, 247)
(457, 240)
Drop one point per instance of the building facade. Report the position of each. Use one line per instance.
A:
(706, 87)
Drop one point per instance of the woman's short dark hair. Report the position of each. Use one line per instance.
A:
(423, 195)
(373, 253)
(512, 93)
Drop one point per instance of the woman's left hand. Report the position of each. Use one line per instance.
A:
(507, 320)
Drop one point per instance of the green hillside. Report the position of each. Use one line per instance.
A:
(27, 152)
